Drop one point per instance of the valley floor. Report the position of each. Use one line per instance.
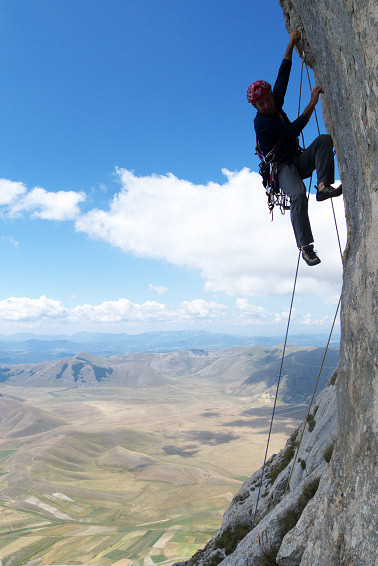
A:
(126, 476)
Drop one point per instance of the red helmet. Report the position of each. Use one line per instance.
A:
(256, 90)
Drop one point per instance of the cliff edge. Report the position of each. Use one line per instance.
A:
(328, 518)
(341, 46)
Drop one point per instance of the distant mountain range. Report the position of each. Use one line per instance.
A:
(241, 371)
(26, 348)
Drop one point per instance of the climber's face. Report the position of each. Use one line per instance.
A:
(265, 104)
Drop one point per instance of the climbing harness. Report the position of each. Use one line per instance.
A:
(286, 336)
(268, 170)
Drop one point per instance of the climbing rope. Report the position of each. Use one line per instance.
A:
(312, 399)
(317, 124)
(276, 396)
(287, 331)
(332, 327)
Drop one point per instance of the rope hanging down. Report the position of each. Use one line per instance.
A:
(334, 319)
(317, 124)
(287, 332)
(312, 399)
(278, 385)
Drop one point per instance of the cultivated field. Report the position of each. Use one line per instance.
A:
(123, 475)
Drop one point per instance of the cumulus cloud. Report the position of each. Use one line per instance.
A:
(10, 191)
(126, 311)
(24, 312)
(309, 320)
(21, 309)
(24, 309)
(121, 310)
(201, 309)
(61, 205)
(252, 313)
(222, 231)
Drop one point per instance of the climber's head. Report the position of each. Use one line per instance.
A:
(260, 95)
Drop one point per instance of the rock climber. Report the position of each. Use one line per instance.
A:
(278, 138)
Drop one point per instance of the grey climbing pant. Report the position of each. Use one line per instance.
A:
(318, 156)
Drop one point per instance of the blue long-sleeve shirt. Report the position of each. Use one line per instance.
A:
(273, 128)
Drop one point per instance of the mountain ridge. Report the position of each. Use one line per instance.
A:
(33, 348)
(242, 371)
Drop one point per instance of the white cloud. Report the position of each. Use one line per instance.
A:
(121, 310)
(21, 309)
(223, 231)
(10, 191)
(60, 205)
(18, 313)
(124, 310)
(309, 320)
(201, 309)
(158, 289)
(252, 313)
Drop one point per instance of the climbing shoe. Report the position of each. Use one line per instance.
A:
(309, 255)
(328, 192)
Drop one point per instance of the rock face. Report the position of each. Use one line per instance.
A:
(306, 458)
(336, 525)
(341, 38)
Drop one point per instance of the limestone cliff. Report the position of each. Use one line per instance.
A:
(328, 517)
(341, 46)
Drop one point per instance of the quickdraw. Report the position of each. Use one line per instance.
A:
(269, 173)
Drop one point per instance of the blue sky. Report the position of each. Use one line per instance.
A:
(129, 200)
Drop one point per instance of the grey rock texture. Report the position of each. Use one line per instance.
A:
(235, 544)
(337, 526)
(341, 46)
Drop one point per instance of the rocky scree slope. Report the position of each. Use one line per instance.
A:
(334, 524)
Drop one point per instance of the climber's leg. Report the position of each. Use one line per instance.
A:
(293, 186)
(318, 156)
